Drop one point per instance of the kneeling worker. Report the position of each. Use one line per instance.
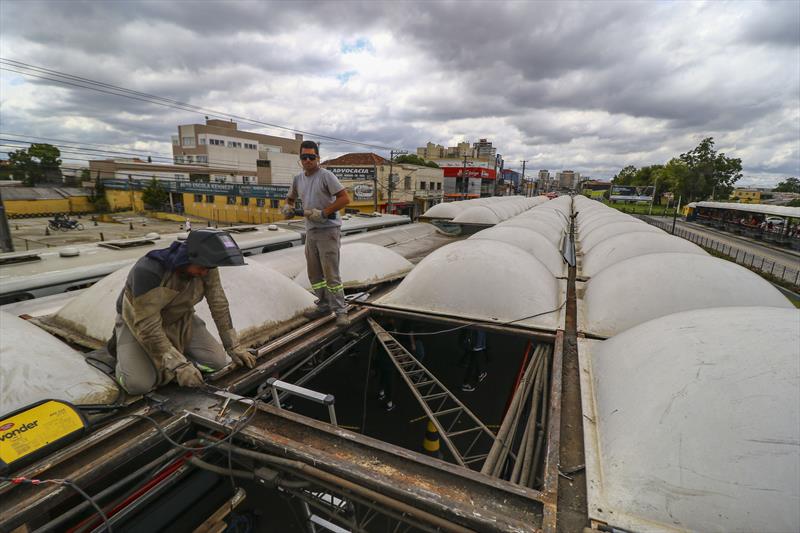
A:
(323, 196)
(158, 336)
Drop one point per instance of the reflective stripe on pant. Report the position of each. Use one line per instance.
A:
(135, 370)
(322, 261)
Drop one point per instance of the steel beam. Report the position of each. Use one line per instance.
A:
(433, 318)
(466, 497)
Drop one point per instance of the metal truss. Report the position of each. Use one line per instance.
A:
(352, 512)
(458, 427)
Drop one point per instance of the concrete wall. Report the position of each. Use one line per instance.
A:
(48, 207)
(121, 200)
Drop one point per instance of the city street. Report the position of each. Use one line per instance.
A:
(780, 256)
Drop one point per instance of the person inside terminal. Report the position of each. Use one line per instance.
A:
(158, 337)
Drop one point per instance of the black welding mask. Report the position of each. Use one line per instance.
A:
(213, 248)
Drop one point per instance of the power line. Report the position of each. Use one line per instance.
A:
(107, 88)
(110, 153)
(217, 164)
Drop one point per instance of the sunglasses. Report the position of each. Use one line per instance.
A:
(308, 157)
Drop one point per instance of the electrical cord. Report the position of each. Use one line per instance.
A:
(470, 324)
(366, 387)
(64, 78)
(240, 424)
(62, 482)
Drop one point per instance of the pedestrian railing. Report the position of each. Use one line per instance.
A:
(757, 262)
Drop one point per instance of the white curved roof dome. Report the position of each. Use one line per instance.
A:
(590, 221)
(548, 215)
(546, 228)
(480, 214)
(363, 264)
(444, 210)
(627, 245)
(587, 227)
(606, 231)
(649, 286)
(695, 423)
(37, 366)
(531, 241)
(261, 300)
(470, 279)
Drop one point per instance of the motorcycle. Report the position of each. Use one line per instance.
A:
(63, 223)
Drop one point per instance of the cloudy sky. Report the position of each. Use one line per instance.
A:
(591, 86)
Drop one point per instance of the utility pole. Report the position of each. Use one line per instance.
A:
(464, 179)
(391, 184)
(675, 216)
(6, 242)
(527, 191)
(375, 189)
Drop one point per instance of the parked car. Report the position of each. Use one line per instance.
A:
(775, 221)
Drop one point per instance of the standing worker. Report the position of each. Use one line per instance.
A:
(157, 336)
(474, 343)
(322, 196)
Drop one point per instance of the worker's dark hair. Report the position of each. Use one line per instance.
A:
(309, 144)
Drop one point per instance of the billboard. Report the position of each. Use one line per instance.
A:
(630, 193)
(353, 173)
(204, 187)
(363, 191)
(472, 172)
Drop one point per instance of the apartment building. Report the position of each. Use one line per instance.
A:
(222, 145)
(567, 179)
(480, 154)
(483, 149)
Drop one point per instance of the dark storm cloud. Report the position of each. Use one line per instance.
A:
(776, 24)
(645, 78)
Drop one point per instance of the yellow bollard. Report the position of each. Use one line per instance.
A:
(431, 442)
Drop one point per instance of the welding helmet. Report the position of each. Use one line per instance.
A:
(213, 248)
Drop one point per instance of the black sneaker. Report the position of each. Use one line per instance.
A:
(381, 395)
(466, 387)
(482, 376)
(389, 406)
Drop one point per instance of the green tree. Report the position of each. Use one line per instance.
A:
(710, 172)
(626, 176)
(794, 203)
(675, 177)
(413, 159)
(154, 196)
(98, 197)
(37, 163)
(788, 185)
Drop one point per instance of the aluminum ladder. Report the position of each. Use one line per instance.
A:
(439, 404)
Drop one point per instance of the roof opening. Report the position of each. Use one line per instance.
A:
(26, 258)
(241, 229)
(122, 245)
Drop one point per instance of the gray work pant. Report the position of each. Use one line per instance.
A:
(135, 370)
(322, 262)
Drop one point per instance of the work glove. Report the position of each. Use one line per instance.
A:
(287, 211)
(187, 375)
(314, 215)
(241, 357)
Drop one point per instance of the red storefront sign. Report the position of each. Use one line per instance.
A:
(472, 172)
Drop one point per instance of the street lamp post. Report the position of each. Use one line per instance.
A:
(655, 188)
